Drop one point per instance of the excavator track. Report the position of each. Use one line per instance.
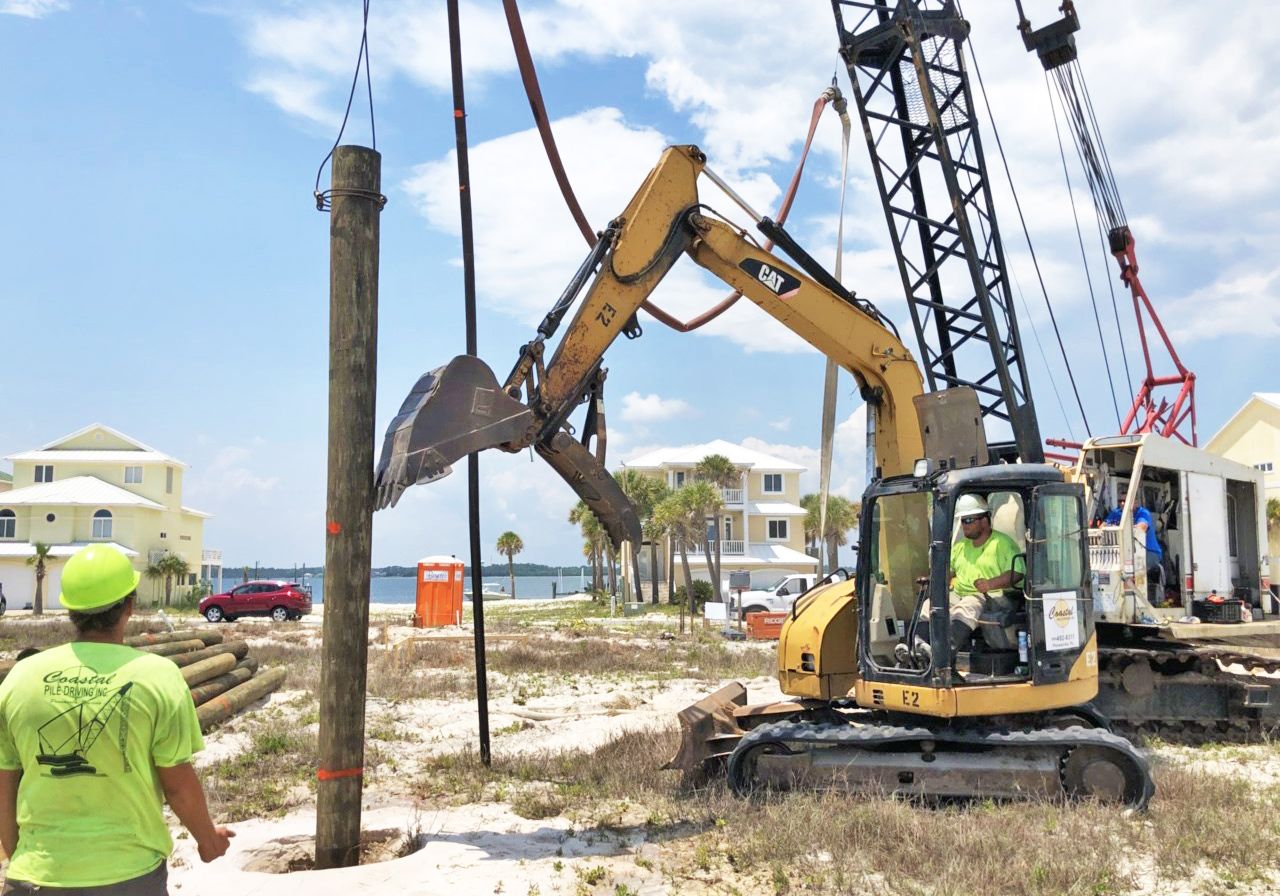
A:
(942, 763)
(1189, 693)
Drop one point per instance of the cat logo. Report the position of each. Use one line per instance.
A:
(780, 283)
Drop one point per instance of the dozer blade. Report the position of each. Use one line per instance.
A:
(594, 485)
(453, 411)
(708, 732)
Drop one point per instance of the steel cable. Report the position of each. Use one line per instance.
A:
(323, 197)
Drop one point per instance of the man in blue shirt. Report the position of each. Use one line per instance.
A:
(1144, 528)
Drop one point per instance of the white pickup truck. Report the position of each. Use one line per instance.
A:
(778, 597)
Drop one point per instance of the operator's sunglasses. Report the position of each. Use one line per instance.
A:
(966, 520)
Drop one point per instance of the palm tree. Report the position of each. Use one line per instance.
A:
(173, 566)
(39, 560)
(509, 544)
(1273, 512)
(670, 518)
(719, 471)
(842, 515)
(154, 573)
(702, 500)
(645, 493)
(594, 533)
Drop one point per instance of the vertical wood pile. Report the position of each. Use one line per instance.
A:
(222, 676)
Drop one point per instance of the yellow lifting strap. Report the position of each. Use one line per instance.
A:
(838, 102)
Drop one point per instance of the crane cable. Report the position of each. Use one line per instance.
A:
(1026, 233)
(529, 77)
(324, 197)
(1084, 258)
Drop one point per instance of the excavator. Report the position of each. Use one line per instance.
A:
(881, 702)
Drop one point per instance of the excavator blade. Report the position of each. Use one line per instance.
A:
(452, 411)
(708, 733)
(594, 485)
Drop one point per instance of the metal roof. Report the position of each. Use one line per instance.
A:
(26, 549)
(688, 455)
(76, 490)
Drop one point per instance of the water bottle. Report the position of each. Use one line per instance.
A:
(1022, 648)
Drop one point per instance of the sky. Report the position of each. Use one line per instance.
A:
(166, 270)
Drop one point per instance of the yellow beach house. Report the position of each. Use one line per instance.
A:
(761, 528)
(96, 485)
(1252, 436)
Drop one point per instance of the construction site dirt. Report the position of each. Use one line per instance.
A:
(582, 715)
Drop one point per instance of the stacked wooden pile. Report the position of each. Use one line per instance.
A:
(222, 676)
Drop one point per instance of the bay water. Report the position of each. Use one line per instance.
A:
(401, 589)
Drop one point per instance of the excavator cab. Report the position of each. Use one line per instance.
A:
(1033, 649)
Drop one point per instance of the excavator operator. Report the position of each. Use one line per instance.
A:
(981, 569)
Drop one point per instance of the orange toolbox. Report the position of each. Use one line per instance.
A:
(763, 626)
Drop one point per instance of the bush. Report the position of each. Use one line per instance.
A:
(702, 592)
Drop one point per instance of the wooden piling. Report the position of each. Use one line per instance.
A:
(205, 635)
(210, 668)
(171, 647)
(226, 705)
(353, 327)
(207, 690)
(238, 649)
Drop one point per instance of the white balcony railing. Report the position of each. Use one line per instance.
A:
(214, 557)
(731, 495)
(729, 547)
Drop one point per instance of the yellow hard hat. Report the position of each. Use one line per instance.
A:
(96, 577)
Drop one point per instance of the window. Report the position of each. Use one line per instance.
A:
(773, 483)
(1266, 466)
(44, 473)
(184, 538)
(168, 480)
(728, 528)
(49, 517)
(102, 524)
(777, 530)
(8, 524)
(679, 478)
(133, 475)
(163, 535)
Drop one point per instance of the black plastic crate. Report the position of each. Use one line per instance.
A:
(1226, 611)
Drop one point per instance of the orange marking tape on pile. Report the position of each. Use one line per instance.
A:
(324, 774)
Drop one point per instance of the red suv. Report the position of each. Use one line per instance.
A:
(279, 600)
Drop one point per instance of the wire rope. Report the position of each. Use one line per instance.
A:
(1084, 258)
(323, 197)
(1026, 233)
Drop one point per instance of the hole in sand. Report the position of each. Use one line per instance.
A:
(298, 853)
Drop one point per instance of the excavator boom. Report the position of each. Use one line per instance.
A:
(461, 407)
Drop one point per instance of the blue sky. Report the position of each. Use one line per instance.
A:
(167, 273)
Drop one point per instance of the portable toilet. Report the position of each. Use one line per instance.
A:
(439, 592)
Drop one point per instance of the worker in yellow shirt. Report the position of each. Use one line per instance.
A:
(981, 569)
(93, 736)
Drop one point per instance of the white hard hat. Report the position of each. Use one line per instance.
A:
(970, 505)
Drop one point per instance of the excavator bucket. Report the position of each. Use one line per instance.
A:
(453, 411)
(708, 733)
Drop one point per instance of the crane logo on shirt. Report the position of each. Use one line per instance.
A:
(67, 737)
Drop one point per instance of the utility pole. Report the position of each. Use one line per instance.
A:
(353, 344)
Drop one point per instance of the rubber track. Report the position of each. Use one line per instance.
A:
(860, 736)
(1203, 659)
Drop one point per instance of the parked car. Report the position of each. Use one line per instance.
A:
(279, 600)
(776, 597)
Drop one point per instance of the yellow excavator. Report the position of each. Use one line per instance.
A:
(881, 701)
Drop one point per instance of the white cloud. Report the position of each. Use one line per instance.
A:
(781, 425)
(32, 9)
(637, 408)
(1237, 304)
(231, 471)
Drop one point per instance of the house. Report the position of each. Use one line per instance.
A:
(761, 525)
(95, 485)
(6, 481)
(1252, 436)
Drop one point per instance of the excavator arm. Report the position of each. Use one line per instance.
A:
(460, 408)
